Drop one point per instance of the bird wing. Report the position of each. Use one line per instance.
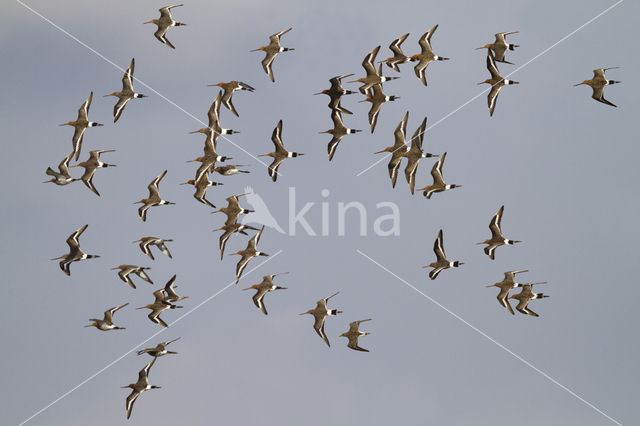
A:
(127, 78)
(494, 225)
(492, 97)
(153, 186)
(394, 165)
(318, 326)
(242, 264)
(373, 113)
(410, 172)
(420, 69)
(273, 167)
(64, 166)
(160, 35)
(598, 95)
(119, 107)
(280, 34)
(130, 400)
(333, 145)
(76, 140)
(400, 133)
(395, 45)
(83, 111)
(436, 171)
(353, 344)
(72, 241)
(124, 276)
(142, 274)
(276, 137)
(433, 274)
(503, 299)
(367, 63)
(425, 40)
(168, 287)
(438, 247)
(258, 300)
(266, 64)
(163, 248)
(491, 66)
(87, 178)
(108, 314)
(144, 246)
(154, 316)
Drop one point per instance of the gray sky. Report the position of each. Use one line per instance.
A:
(564, 166)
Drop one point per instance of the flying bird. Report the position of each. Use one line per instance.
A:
(415, 154)
(231, 228)
(398, 55)
(597, 83)
(62, 176)
(90, 167)
(354, 333)
(496, 81)
(158, 306)
(170, 292)
(229, 88)
(233, 209)
(140, 386)
(377, 98)
(107, 322)
(159, 350)
(214, 129)
(338, 132)
(438, 181)
(398, 150)
(126, 270)
(164, 22)
(248, 253)
(335, 93)
(497, 239)
(373, 77)
(263, 288)
(201, 186)
(426, 55)
(145, 242)
(80, 125)
(154, 197)
(500, 46)
(280, 154)
(127, 92)
(524, 297)
(271, 50)
(75, 253)
(230, 169)
(441, 262)
(320, 312)
(505, 286)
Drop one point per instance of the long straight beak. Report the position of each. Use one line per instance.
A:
(379, 152)
(573, 86)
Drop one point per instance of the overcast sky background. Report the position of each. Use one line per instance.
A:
(564, 166)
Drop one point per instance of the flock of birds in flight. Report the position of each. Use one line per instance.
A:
(165, 298)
